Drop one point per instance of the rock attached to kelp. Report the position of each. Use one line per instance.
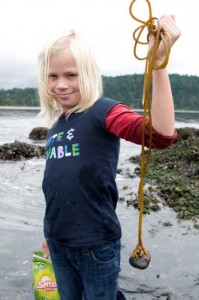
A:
(18, 151)
(38, 133)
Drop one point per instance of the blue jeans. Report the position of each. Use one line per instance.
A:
(87, 273)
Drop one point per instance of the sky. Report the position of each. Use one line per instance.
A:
(26, 25)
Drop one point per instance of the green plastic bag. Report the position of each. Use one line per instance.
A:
(44, 283)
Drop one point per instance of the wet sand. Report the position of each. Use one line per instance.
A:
(173, 271)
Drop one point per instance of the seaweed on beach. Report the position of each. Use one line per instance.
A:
(18, 151)
(174, 173)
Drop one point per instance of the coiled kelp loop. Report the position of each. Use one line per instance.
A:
(140, 257)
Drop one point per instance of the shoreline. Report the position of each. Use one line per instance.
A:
(20, 108)
(38, 108)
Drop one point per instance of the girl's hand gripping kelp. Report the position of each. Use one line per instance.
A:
(162, 107)
(169, 33)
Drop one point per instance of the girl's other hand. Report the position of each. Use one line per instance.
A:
(44, 247)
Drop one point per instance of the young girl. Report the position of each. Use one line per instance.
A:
(81, 229)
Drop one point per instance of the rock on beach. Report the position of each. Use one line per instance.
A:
(38, 133)
(18, 151)
(173, 176)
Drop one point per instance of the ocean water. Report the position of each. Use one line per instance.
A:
(173, 270)
(17, 124)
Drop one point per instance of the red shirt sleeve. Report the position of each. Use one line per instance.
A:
(127, 124)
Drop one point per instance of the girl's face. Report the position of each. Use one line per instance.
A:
(63, 79)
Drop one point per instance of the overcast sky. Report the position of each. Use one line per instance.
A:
(25, 25)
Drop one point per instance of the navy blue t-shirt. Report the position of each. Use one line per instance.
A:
(79, 179)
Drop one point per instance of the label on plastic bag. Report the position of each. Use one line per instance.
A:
(44, 283)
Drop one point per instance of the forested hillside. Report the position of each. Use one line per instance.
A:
(127, 88)
(19, 97)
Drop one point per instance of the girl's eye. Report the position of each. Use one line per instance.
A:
(52, 76)
(71, 75)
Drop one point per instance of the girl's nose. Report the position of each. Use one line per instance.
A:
(62, 83)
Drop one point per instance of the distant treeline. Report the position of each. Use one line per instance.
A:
(127, 88)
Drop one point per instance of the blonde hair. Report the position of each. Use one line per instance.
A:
(90, 80)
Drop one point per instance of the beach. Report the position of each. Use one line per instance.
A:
(173, 272)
